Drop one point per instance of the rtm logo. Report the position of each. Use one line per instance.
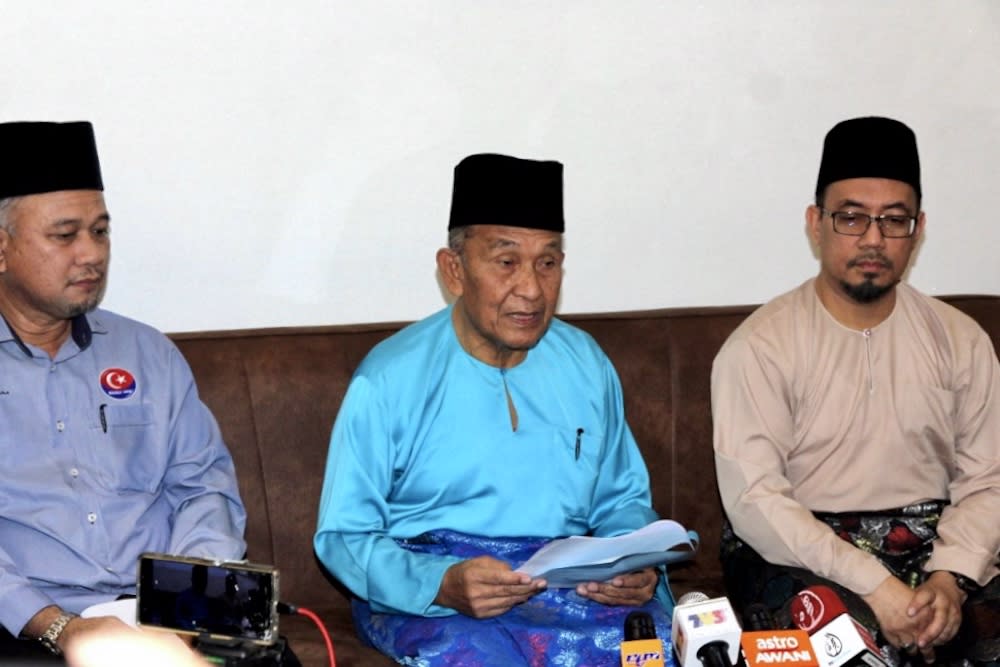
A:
(714, 617)
(640, 659)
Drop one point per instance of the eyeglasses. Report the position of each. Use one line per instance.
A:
(857, 224)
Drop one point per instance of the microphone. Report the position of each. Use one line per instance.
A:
(764, 645)
(705, 629)
(757, 617)
(837, 639)
(641, 648)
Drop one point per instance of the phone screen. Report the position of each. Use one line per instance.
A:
(196, 596)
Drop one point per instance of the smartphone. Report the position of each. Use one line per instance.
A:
(224, 600)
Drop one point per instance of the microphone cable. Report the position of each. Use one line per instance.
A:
(284, 608)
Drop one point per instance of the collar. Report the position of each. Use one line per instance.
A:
(80, 331)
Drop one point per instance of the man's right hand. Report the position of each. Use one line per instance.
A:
(890, 602)
(484, 587)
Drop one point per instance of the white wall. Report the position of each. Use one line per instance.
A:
(274, 164)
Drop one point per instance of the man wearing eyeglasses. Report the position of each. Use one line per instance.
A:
(857, 421)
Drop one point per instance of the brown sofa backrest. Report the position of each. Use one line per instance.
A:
(276, 393)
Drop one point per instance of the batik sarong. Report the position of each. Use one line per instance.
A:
(555, 627)
(902, 540)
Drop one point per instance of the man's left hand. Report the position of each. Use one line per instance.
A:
(633, 589)
(942, 596)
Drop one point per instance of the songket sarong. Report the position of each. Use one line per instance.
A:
(901, 539)
(555, 627)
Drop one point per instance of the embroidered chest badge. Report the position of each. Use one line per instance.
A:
(117, 383)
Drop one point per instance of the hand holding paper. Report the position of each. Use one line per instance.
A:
(566, 562)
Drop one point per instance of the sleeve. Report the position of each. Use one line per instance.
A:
(352, 538)
(622, 501)
(753, 432)
(208, 518)
(19, 600)
(969, 532)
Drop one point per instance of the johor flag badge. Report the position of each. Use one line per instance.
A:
(118, 383)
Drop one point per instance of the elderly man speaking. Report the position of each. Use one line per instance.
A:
(469, 439)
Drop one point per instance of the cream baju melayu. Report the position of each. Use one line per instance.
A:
(811, 416)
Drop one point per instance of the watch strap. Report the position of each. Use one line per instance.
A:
(964, 583)
(55, 629)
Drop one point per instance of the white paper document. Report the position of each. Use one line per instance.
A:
(569, 561)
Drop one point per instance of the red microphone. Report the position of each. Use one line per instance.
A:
(837, 639)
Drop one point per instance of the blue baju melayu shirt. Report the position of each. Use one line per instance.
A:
(106, 451)
(424, 441)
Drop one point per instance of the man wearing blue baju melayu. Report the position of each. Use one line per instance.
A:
(106, 450)
(469, 439)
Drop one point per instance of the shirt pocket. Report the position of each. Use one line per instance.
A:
(578, 456)
(133, 462)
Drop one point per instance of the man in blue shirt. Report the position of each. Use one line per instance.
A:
(106, 450)
(469, 439)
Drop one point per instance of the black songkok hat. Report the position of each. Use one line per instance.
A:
(869, 147)
(493, 189)
(37, 157)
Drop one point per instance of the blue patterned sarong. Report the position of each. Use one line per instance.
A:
(555, 627)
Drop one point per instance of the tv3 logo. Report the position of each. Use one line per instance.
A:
(714, 617)
(640, 659)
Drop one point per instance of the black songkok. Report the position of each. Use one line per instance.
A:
(37, 157)
(493, 189)
(869, 147)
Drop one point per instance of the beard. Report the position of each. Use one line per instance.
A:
(75, 309)
(867, 291)
(69, 309)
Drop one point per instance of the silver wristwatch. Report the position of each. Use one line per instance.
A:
(51, 634)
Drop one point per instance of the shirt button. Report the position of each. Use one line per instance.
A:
(92, 518)
(52, 369)
(73, 472)
(60, 426)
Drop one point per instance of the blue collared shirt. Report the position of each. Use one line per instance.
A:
(106, 451)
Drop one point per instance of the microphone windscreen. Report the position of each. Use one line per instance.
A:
(691, 598)
(816, 606)
(641, 648)
(757, 617)
(639, 625)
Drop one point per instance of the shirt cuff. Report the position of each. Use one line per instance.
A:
(20, 607)
(955, 559)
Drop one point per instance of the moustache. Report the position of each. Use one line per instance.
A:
(96, 277)
(884, 261)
